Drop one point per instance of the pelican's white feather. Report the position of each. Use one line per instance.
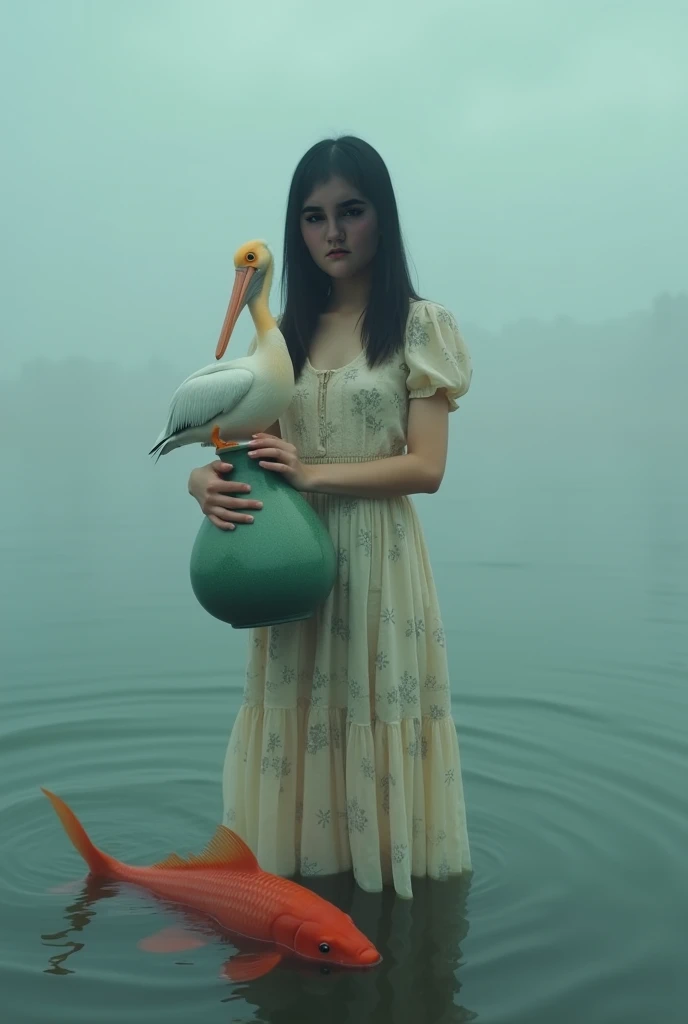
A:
(205, 395)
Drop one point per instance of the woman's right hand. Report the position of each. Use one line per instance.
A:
(219, 498)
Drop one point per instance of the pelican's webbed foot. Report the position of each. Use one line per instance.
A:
(218, 442)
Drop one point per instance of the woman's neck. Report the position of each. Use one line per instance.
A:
(350, 295)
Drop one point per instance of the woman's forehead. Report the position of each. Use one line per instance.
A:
(333, 192)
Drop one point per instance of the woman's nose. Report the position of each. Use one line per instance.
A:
(334, 232)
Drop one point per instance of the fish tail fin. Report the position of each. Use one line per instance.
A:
(98, 862)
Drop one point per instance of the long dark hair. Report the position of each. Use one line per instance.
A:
(305, 287)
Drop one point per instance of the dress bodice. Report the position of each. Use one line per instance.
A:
(357, 413)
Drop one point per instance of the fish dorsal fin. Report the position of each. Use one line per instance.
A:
(173, 861)
(225, 850)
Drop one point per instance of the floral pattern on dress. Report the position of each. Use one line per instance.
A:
(345, 710)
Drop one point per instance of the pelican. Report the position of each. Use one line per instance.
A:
(225, 403)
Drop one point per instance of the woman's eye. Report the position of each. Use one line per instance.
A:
(354, 212)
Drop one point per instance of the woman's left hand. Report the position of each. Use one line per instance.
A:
(287, 462)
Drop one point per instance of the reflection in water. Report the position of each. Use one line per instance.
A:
(420, 941)
(79, 914)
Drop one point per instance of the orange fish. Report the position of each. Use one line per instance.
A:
(226, 883)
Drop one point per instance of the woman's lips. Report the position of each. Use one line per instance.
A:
(337, 254)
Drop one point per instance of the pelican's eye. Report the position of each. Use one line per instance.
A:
(324, 948)
(250, 257)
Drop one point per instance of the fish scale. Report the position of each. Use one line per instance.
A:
(226, 883)
(250, 899)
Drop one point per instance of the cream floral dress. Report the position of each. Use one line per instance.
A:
(344, 753)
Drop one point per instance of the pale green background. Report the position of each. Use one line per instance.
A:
(539, 151)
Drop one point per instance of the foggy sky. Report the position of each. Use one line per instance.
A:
(539, 149)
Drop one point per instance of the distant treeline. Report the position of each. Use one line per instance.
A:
(534, 372)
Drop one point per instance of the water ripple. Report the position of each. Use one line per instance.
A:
(573, 765)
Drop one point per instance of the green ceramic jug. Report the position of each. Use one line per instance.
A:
(278, 568)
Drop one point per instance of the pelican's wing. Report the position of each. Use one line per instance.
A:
(203, 396)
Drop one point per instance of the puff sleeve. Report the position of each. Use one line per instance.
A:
(436, 354)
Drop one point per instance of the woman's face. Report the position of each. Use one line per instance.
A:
(340, 229)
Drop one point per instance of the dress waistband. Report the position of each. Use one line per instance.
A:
(323, 459)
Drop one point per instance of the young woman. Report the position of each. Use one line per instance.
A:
(344, 753)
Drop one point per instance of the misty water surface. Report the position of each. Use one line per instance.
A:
(539, 150)
(558, 540)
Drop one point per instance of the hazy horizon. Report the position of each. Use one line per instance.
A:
(539, 156)
(539, 152)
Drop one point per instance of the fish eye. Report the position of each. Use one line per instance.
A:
(324, 948)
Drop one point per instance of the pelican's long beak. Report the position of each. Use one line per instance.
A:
(236, 304)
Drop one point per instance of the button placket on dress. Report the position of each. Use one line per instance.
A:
(323, 380)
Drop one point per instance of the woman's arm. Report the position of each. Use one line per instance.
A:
(419, 471)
